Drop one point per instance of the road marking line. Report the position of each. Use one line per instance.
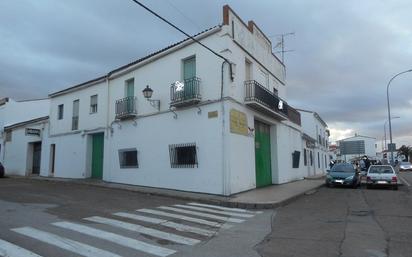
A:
(64, 243)
(144, 230)
(166, 223)
(405, 181)
(225, 208)
(242, 215)
(183, 217)
(11, 250)
(118, 239)
(201, 214)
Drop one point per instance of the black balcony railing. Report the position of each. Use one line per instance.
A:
(186, 93)
(126, 107)
(255, 92)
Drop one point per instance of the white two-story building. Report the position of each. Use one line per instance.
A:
(316, 147)
(183, 118)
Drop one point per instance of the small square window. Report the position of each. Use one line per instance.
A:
(183, 155)
(60, 111)
(128, 158)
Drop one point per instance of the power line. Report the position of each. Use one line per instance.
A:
(183, 14)
(189, 36)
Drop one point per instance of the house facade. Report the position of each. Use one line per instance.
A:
(316, 147)
(352, 148)
(213, 124)
(23, 129)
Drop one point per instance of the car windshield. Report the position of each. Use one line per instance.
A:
(342, 168)
(381, 169)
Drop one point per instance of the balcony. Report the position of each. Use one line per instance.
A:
(185, 94)
(262, 100)
(126, 108)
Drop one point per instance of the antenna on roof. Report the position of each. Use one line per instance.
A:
(281, 44)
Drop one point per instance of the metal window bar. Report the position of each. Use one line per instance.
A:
(75, 122)
(256, 92)
(183, 155)
(190, 91)
(126, 107)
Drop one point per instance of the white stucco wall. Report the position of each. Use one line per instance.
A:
(152, 136)
(18, 153)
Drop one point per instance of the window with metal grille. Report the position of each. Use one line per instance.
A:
(60, 111)
(93, 104)
(8, 136)
(75, 117)
(183, 155)
(305, 159)
(295, 159)
(128, 158)
(311, 158)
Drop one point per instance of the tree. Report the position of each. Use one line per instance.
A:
(405, 151)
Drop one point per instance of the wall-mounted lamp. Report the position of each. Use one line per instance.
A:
(147, 93)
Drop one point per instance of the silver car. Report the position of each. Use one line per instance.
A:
(383, 176)
(404, 166)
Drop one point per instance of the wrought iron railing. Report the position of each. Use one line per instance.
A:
(257, 93)
(187, 92)
(294, 115)
(126, 107)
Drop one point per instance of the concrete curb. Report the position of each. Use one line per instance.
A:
(182, 195)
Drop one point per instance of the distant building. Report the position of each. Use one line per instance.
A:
(316, 138)
(357, 146)
(23, 128)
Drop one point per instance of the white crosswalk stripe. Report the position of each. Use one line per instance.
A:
(201, 214)
(225, 208)
(64, 243)
(242, 215)
(11, 250)
(144, 230)
(118, 239)
(166, 223)
(185, 218)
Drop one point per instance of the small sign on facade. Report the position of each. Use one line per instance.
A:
(212, 114)
(32, 132)
(238, 122)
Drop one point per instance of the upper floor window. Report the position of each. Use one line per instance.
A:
(60, 110)
(189, 68)
(129, 88)
(75, 118)
(93, 104)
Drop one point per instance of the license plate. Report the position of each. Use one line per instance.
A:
(382, 182)
(339, 181)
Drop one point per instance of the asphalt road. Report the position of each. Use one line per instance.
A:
(344, 222)
(43, 218)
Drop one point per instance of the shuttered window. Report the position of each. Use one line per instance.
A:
(93, 104)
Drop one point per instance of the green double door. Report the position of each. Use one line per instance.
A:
(262, 154)
(97, 155)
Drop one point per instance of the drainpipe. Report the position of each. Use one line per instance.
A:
(225, 168)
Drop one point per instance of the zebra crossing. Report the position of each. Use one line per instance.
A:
(180, 225)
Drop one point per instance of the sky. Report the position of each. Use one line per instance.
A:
(344, 52)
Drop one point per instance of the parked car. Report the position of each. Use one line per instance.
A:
(343, 174)
(1, 170)
(382, 176)
(405, 166)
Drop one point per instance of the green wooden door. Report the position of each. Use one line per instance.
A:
(262, 155)
(97, 155)
(189, 68)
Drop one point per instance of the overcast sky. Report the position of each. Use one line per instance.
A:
(344, 54)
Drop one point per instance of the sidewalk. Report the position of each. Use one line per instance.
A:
(262, 198)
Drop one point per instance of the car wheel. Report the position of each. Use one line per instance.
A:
(395, 187)
(368, 187)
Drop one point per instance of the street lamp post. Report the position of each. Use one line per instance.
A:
(389, 109)
(384, 130)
